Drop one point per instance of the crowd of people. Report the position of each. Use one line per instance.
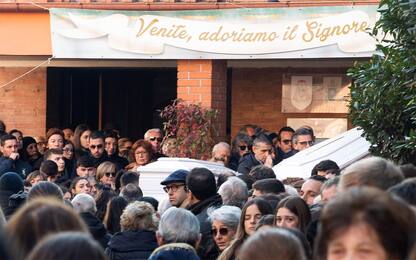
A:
(77, 195)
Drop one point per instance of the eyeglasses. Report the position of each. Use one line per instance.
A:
(174, 188)
(96, 146)
(307, 142)
(108, 174)
(159, 139)
(68, 150)
(288, 141)
(245, 147)
(223, 231)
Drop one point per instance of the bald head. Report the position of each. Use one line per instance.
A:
(221, 152)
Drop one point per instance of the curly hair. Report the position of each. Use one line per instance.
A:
(138, 215)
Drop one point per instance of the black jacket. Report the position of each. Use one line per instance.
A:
(119, 161)
(247, 162)
(135, 245)
(22, 168)
(98, 161)
(207, 249)
(96, 228)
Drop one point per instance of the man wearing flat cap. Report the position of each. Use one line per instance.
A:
(175, 187)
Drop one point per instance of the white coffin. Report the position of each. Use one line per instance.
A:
(344, 149)
(153, 173)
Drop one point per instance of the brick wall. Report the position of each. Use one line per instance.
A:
(23, 103)
(204, 82)
(257, 96)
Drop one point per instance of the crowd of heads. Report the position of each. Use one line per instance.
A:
(81, 198)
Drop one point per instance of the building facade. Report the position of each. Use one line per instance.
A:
(294, 87)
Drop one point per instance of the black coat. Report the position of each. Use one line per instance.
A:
(98, 161)
(135, 245)
(119, 161)
(207, 249)
(247, 162)
(96, 228)
(22, 168)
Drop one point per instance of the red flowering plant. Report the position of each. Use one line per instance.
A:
(190, 129)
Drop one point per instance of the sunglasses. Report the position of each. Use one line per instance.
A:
(159, 139)
(307, 142)
(96, 146)
(223, 231)
(288, 141)
(112, 174)
(245, 147)
(174, 188)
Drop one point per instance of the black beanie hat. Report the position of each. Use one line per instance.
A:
(12, 182)
(27, 140)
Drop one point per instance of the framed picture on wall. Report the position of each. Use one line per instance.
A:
(317, 93)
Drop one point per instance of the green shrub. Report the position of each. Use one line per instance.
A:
(383, 93)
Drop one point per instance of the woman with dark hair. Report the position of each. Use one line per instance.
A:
(80, 140)
(141, 154)
(251, 213)
(240, 145)
(115, 208)
(80, 185)
(38, 219)
(68, 150)
(104, 194)
(67, 246)
(29, 151)
(124, 147)
(69, 157)
(293, 212)
(365, 223)
(137, 238)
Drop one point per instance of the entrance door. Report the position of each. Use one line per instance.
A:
(123, 99)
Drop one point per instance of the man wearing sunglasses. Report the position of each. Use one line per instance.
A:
(302, 138)
(96, 147)
(284, 143)
(155, 137)
(262, 154)
(175, 187)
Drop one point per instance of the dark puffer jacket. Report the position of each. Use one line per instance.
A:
(207, 249)
(131, 245)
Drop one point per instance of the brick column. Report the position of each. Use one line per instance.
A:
(23, 103)
(205, 82)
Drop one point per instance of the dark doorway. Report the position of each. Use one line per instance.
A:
(123, 99)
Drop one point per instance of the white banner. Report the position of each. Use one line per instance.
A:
(134, 35)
